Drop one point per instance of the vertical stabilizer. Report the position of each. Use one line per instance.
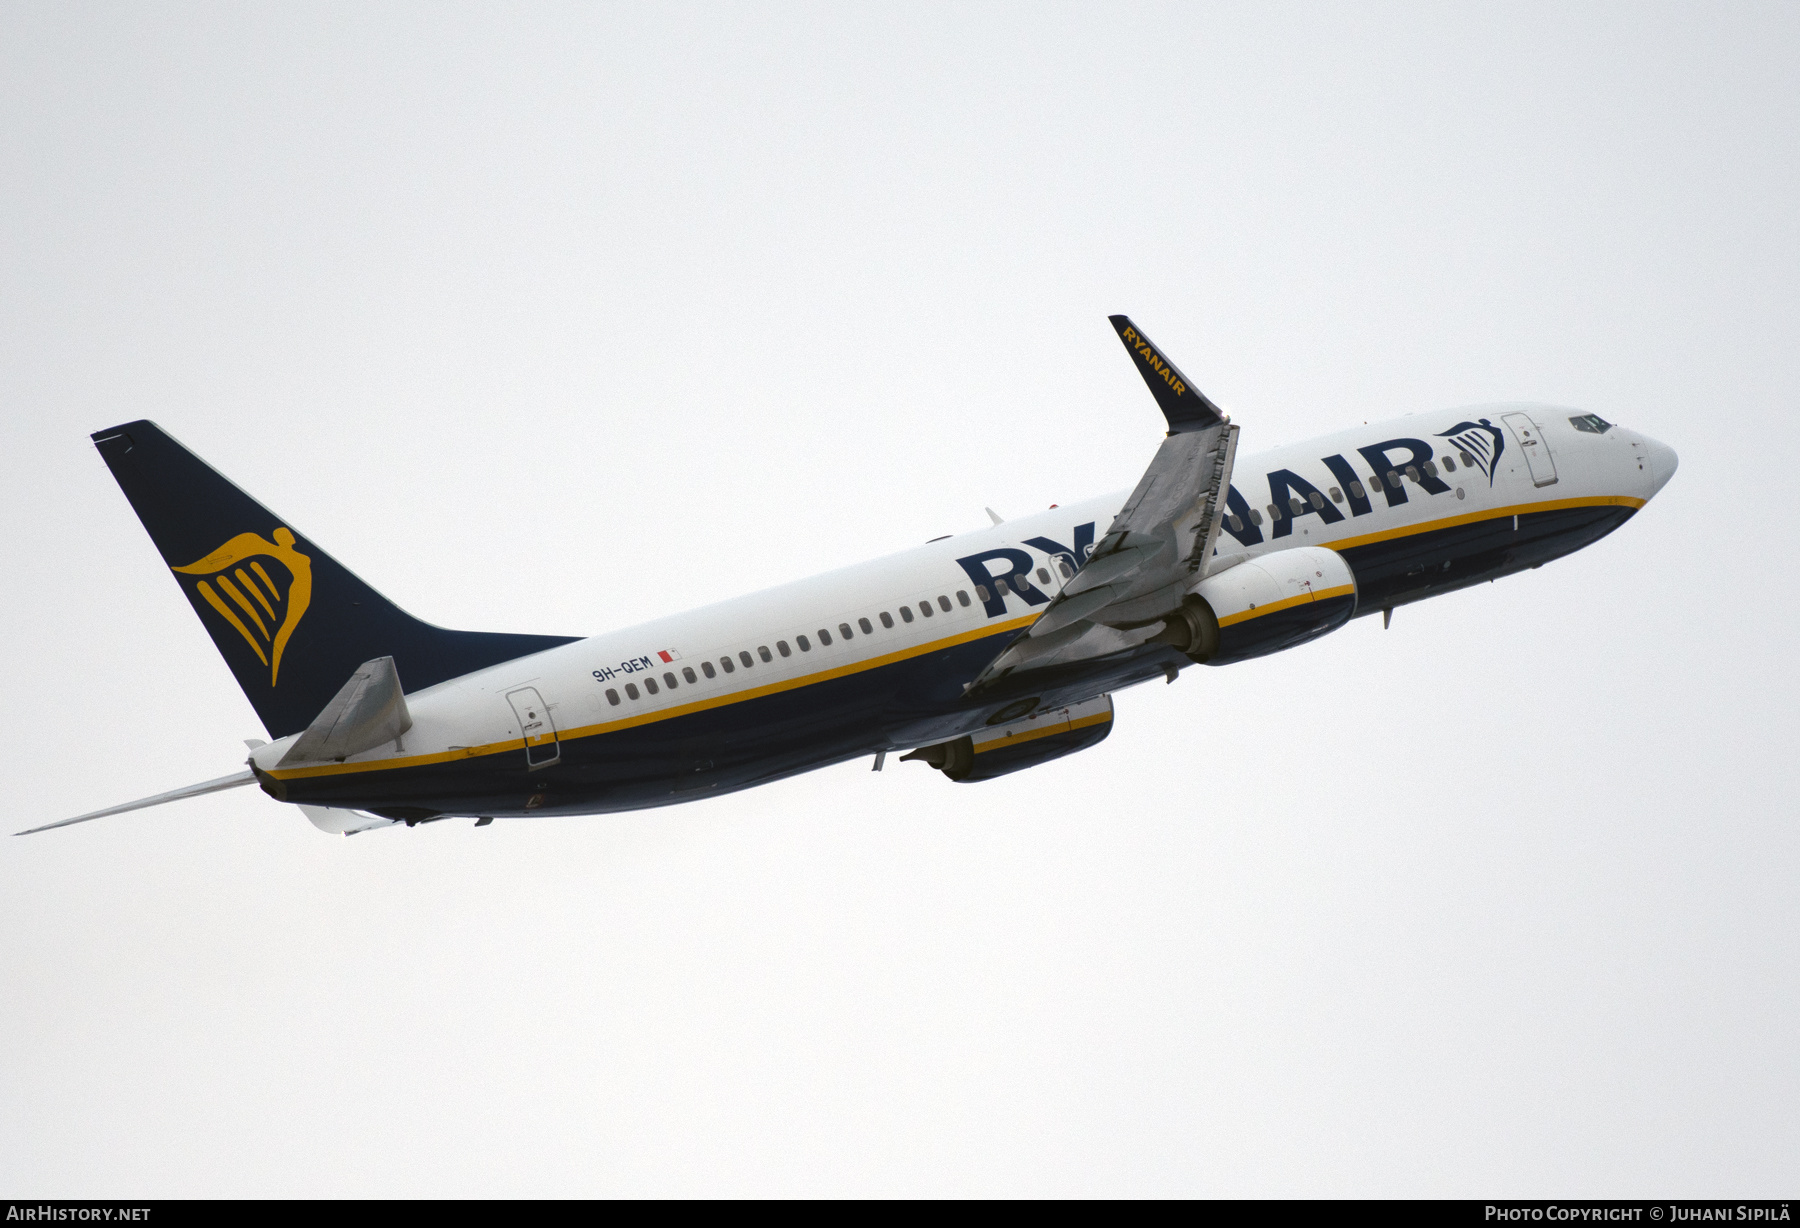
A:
(289, 620)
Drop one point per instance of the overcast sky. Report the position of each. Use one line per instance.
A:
(554, 319)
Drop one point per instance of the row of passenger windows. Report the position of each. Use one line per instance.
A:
(1297, 506)
(844, 631)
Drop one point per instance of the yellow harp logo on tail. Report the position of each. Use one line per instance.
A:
(253, 602)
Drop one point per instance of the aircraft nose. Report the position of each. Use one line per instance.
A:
(1662, 463)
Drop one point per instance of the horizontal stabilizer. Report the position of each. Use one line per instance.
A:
(174, 795)
(367, 710)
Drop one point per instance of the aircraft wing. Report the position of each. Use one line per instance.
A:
(1158, 545)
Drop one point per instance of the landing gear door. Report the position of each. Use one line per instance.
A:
(539, 731)
(1537, 453)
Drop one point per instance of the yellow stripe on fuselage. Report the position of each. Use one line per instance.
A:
(719, 701)
(663, 714)
(1499, 513)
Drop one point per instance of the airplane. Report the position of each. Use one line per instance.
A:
(979, 654)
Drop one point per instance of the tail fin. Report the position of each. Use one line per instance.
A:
(289, 620)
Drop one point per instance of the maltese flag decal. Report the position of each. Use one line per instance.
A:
(668, 655)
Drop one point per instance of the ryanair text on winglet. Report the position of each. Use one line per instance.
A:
(1154, 360)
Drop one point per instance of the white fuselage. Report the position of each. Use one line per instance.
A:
(792, 637)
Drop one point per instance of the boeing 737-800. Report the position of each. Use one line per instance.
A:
(979, 654)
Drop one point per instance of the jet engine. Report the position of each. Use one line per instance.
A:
(1251, 607)
(1020, 744)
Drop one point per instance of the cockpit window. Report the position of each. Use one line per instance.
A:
(1593, 424)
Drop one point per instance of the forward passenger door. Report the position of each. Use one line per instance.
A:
(1537, 453)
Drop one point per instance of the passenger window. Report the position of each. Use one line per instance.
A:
(1295, 506)
(669, 681)
(764, 653)
(1043, 578)
(707, 669)
(805, 644)
(1274, 512)
(650, 685)
(824, 636)
(844, 630)
(868, 628)
(631, 689)
(782, 648)
(1236, 525)
(1467, 459)
(1449, 465)
(962, 596)
(925, 608)
(1337, 496)
(981, 593)
(1430, 468)
(726, 662)
(612, 697)
(1394, 479)
(1255, 516)
(1316, 499)
(906, 613)
(1412, 473)
(1357, 491)
(745, 658)
(687, 671)
(1064, 564)
(887, 620)
(944, 602)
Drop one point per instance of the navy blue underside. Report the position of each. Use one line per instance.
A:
(907, 703)
(1407, 569)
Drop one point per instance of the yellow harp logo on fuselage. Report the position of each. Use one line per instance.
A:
(252, 598)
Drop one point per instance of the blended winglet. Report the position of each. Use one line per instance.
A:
(1184, 405)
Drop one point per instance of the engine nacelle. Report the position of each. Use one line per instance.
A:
(1015, 746)
(1263, 605)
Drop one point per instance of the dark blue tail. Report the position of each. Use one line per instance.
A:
(289, 620)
